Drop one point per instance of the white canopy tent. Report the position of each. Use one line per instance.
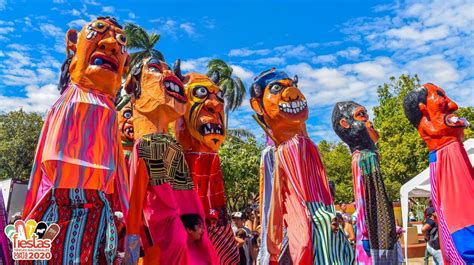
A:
(419, 186)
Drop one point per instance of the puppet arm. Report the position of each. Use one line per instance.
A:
(132, 248)
(275, 218)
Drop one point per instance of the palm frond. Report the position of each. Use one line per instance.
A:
(154, 38)
(137, 38)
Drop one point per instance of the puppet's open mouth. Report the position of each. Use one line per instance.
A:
(211, 128)
(175, 90)
(294, 106)
(451, 120)
(129, 132)
(104, 62)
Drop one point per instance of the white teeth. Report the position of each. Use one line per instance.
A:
(293, 107)
(453, 119)
(167, 84)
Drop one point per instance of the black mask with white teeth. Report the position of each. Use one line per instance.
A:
(211, 128)
(293, 107)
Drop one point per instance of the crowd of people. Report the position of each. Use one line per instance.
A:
(247, 228)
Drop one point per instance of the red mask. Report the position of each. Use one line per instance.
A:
(439, 125)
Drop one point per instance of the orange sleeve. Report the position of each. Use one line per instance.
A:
(275, 216)
(140, 184)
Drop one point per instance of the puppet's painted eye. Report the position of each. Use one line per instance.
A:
(99, 26)
(122, 40)
(200, 92)
(275, 88)
(127, 114)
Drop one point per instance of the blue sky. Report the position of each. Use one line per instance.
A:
(340, 50)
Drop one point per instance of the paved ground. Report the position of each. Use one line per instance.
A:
(418, 261)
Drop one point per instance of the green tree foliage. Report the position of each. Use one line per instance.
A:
(468, 113)
(240, 163)
(139, 39)
(19, 133)
(232, 86)
(403, 154)
(337, 160)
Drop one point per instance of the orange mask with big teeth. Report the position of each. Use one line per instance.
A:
(202, 128)
(100, 55)
(159, 96)
(432, 113)
(279, 104)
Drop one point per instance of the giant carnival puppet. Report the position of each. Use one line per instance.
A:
(79, 157)
(301, 199)
(201, 132)
(162, 189)
(376, 237)
(125, 123)
(430, 110)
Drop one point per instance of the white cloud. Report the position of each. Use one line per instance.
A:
(3, 3)
(108, 9)
(75, 12)
(266, 61)
(77, 23)
(296, 51)
(91, 2)
(242, 73)
(24, 70)
(132, 15)
(247, 52)
(6, 30)
(38, 99)
(51, 30)
(189, 29)
(434, 68)
(198, 65)
(322, 59)
(350, 53)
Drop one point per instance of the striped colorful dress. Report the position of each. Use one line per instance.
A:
(205, 170)
(78, 166)
(452, 194)
(362, 258)
(302, 200)
(375, 217)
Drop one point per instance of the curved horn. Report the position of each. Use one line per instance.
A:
(295, 80)
(215, 77)
(177, 69)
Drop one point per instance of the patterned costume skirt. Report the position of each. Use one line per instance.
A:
(328, 247)
(452, 193)
(222, 239)
(87, 231)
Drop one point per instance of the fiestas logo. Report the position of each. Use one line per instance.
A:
(31, 240)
